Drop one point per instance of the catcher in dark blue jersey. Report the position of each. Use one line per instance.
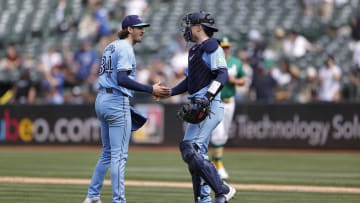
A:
(205, 76)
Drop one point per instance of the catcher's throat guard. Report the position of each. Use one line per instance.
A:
(195, 111)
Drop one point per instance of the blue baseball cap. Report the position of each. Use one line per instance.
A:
(133, 21)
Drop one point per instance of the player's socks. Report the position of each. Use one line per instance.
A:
(218, 163)
(218, 156)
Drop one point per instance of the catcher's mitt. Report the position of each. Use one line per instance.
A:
(195, 111)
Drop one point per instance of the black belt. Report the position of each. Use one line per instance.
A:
(108, 90)
(112, 91)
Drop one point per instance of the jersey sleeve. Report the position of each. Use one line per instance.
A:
(217, 59)
(123, 62)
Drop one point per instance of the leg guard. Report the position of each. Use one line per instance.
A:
(202, 167)
(201, 192)
(196, 182)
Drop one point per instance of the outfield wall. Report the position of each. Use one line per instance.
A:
(320, 125)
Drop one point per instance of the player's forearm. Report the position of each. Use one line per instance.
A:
(180, 88)
(125, 81)
(217, 84)
(222, 75)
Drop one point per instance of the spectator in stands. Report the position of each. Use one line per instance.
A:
(329, 80)
(295, 85)
(178, 54)
(175, 47)
(296, 45)
(309, 90)
(282, 73)
(325, 10)
(320, 8)
(308, 7)
(160, 71)
(52, 85)
(283, 78)
(9, 72)
(12, 59)
(24, 89)
(355, 25)
(101, 16)
(179, 61)
(114, 24)
(136, 7)
(143, 73)
(85, 60)
(274, 50)
(88, 26)
(63, 16)
(82, 70)
(242, 92)
(255, 48)
(356, 54)
(263, 84)
(51, 58)
(354, 78)
(75, 96)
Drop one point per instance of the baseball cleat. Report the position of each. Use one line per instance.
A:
(92, 200)
(224, 198)
(230, 194)
(223, 173)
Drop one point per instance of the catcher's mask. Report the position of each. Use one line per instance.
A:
(198, 18)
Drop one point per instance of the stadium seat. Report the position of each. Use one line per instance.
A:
(19, 22)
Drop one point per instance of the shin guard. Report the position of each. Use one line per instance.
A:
(196, 183)
(202, 167)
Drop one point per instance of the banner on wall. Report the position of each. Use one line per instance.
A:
(322, 125)
(325, 126)
(48, 124)
(70, 125)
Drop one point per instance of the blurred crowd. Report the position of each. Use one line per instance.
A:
(61, 75)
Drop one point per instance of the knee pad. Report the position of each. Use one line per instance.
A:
(187, 150)
(197, 162)
(194, 159)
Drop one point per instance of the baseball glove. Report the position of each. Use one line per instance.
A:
(195, 111)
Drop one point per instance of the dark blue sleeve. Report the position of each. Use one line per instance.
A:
(125, 81)
(180, 88)
(221, 75)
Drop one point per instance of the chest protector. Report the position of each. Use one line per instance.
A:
(199, 73)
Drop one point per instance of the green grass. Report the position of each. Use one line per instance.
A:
(31, 193)
(254, 167)
(336, 169)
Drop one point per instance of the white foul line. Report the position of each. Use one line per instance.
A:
(258, 187)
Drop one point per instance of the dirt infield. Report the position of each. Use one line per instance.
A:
(258, 187)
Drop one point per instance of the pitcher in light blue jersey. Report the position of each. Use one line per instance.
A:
(117, 118)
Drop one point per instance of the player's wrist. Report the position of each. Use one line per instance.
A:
(214, 88)
(208, 96)
(150, 89)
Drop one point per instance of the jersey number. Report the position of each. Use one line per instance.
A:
(105, 66)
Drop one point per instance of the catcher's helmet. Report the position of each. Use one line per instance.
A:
(202, 18)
